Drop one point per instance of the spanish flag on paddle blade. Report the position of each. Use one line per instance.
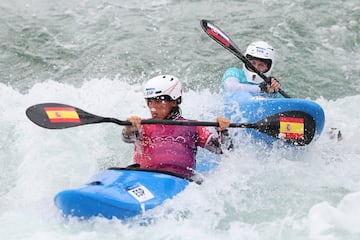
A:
(62, 114)
(292, 127)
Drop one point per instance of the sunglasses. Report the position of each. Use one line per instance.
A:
(159, 99)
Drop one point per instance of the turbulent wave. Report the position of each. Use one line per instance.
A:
(96, 55)
(254, 192)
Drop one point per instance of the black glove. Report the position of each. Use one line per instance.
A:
(263, 87)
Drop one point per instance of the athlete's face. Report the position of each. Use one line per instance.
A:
(259, 65)
(160, 108)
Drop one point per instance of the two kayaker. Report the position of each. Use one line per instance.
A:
(170, 147)
(262, 56)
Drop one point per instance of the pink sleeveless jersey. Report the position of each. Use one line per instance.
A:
(170, 148)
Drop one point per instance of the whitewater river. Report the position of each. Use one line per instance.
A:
(97, 54)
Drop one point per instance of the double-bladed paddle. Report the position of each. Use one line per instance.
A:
(293, 127)
(220, 37)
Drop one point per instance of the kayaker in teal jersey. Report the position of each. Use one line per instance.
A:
(170, 147)
(262, 56)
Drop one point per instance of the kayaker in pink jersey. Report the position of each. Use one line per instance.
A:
(169, 147)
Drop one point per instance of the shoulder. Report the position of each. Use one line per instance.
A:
(233, 72)
(204, 132)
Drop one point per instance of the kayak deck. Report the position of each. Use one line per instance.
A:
(120, 193)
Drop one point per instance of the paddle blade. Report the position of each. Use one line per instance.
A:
(293, 127)
(59, 116)
(220, 37)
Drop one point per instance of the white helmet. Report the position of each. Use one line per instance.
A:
(263, 51)
(164, 85)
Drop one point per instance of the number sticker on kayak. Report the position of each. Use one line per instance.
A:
(140, 192)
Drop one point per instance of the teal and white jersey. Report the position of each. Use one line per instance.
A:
(234, 79)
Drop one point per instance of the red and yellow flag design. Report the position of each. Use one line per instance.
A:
(62, 114)
(292, 127)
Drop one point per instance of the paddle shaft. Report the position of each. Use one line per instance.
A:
(171, 122)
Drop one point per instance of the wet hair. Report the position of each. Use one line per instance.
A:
(174, 113)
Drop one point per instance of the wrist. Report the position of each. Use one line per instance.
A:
(128, 131)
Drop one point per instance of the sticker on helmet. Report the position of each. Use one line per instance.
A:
(149, 91)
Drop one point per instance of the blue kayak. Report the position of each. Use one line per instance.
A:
(120, 192)
(296, 122)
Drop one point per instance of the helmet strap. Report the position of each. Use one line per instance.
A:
(175, 113)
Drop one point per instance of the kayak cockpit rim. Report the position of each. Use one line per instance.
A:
(136, 167)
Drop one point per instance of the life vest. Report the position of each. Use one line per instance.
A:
(170, 147)
(239, 74)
